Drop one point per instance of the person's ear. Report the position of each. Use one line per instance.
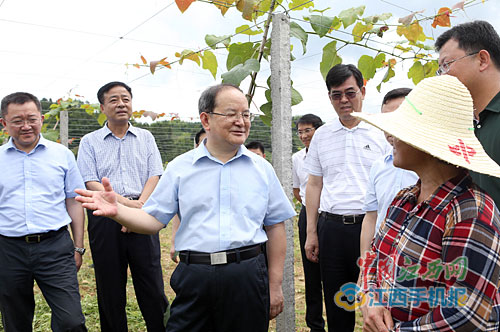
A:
(484, 60)
(205, 121)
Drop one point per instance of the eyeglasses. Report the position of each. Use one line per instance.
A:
(305, 131)
(444, 68)
(349, 94)
(233, 116)
(20, 123)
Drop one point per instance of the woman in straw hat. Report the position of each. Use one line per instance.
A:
(435, 263)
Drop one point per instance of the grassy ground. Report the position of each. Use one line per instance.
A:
(135, 322)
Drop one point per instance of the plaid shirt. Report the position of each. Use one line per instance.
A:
(450, 241)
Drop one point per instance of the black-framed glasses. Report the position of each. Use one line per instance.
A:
(444, 68)
(337, 95)
(234, 116)
(305, 131)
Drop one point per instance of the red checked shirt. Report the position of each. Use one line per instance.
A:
(436, 265)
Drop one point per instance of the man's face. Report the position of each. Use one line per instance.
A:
(345, 106)
(463, 68)
(117, 105)
(306, 132)
(23, 123)
(223, 131)
(388, 107)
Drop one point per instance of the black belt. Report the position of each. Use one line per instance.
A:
(347, 220)
(37, 238)
(222, 257)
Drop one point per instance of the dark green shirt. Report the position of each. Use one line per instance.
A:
(488, 133)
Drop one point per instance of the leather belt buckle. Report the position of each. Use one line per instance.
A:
(33, 238)
(218, 258)
(350, 220)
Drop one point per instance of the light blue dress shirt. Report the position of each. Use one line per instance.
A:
(34, 187)
(221, 205)
(128, 161)
(385, 182)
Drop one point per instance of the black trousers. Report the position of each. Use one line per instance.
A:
(338, 254)
(312, 276)
(51, 263)
(113, 252)
(232, 297)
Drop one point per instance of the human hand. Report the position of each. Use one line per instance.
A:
(173, 256)
(276, 301)
(376, 319)
(78, 261)
(104, 203)
(312, 248)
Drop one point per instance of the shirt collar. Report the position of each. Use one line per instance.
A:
(337, 125)
(494, 104)
(41, 142)
(201, 152)
(105, 131)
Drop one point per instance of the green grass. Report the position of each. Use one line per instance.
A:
(41, 322)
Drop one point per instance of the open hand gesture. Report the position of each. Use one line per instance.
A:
(103, 203)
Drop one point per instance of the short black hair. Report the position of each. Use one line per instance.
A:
(19, 98)
(311, 119)
(473, 37)
(255, 145)
(341, 73)
(395, 94)
(197, 136)
(106, 87)
(206, 103)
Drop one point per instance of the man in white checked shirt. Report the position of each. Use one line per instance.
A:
(338, 162)
(130, 158)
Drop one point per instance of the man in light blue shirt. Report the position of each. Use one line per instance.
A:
(385, 180)
(37, 202)
(224, 196)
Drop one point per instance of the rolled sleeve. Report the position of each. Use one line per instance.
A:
(279, 207)
(72, 179)
(163, 203)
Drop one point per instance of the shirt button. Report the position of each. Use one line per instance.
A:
(478, 126)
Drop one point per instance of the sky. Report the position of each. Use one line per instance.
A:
(63, 48)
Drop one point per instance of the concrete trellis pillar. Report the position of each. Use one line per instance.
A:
(281, 133)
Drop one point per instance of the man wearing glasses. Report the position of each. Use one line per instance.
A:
(306, 127)
(338, 162)
(37, 202)
(471, 52)
(223, 195)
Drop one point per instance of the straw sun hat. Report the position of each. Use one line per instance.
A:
(437, 118)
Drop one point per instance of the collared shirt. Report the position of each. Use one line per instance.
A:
(128, 162)
(221, 205)
(299, 176)
(385, 182)
(34, 187)
(450, 242)
(343, 157)
(488, 133)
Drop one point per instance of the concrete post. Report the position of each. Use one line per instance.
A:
(281, 133)
(63, 127)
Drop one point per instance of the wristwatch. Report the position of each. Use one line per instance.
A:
(81, 251)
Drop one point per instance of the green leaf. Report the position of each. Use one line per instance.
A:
(300, 4)
(246, 30)
(430, 68)
(238, 54)
(51, 135)
(329, 58)
(267, 109)
(213, 40)
(296, 97)
(416, 72)
(239, 72)
(101, 119)
(368, 65)
(267, 93)
(349, 16)
(210, 62)
(388, 75)
(299, 33)
(189, 55)
(359, 29)
(321, 24)
(267, 119)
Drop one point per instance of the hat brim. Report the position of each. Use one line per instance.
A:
(469, 155)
